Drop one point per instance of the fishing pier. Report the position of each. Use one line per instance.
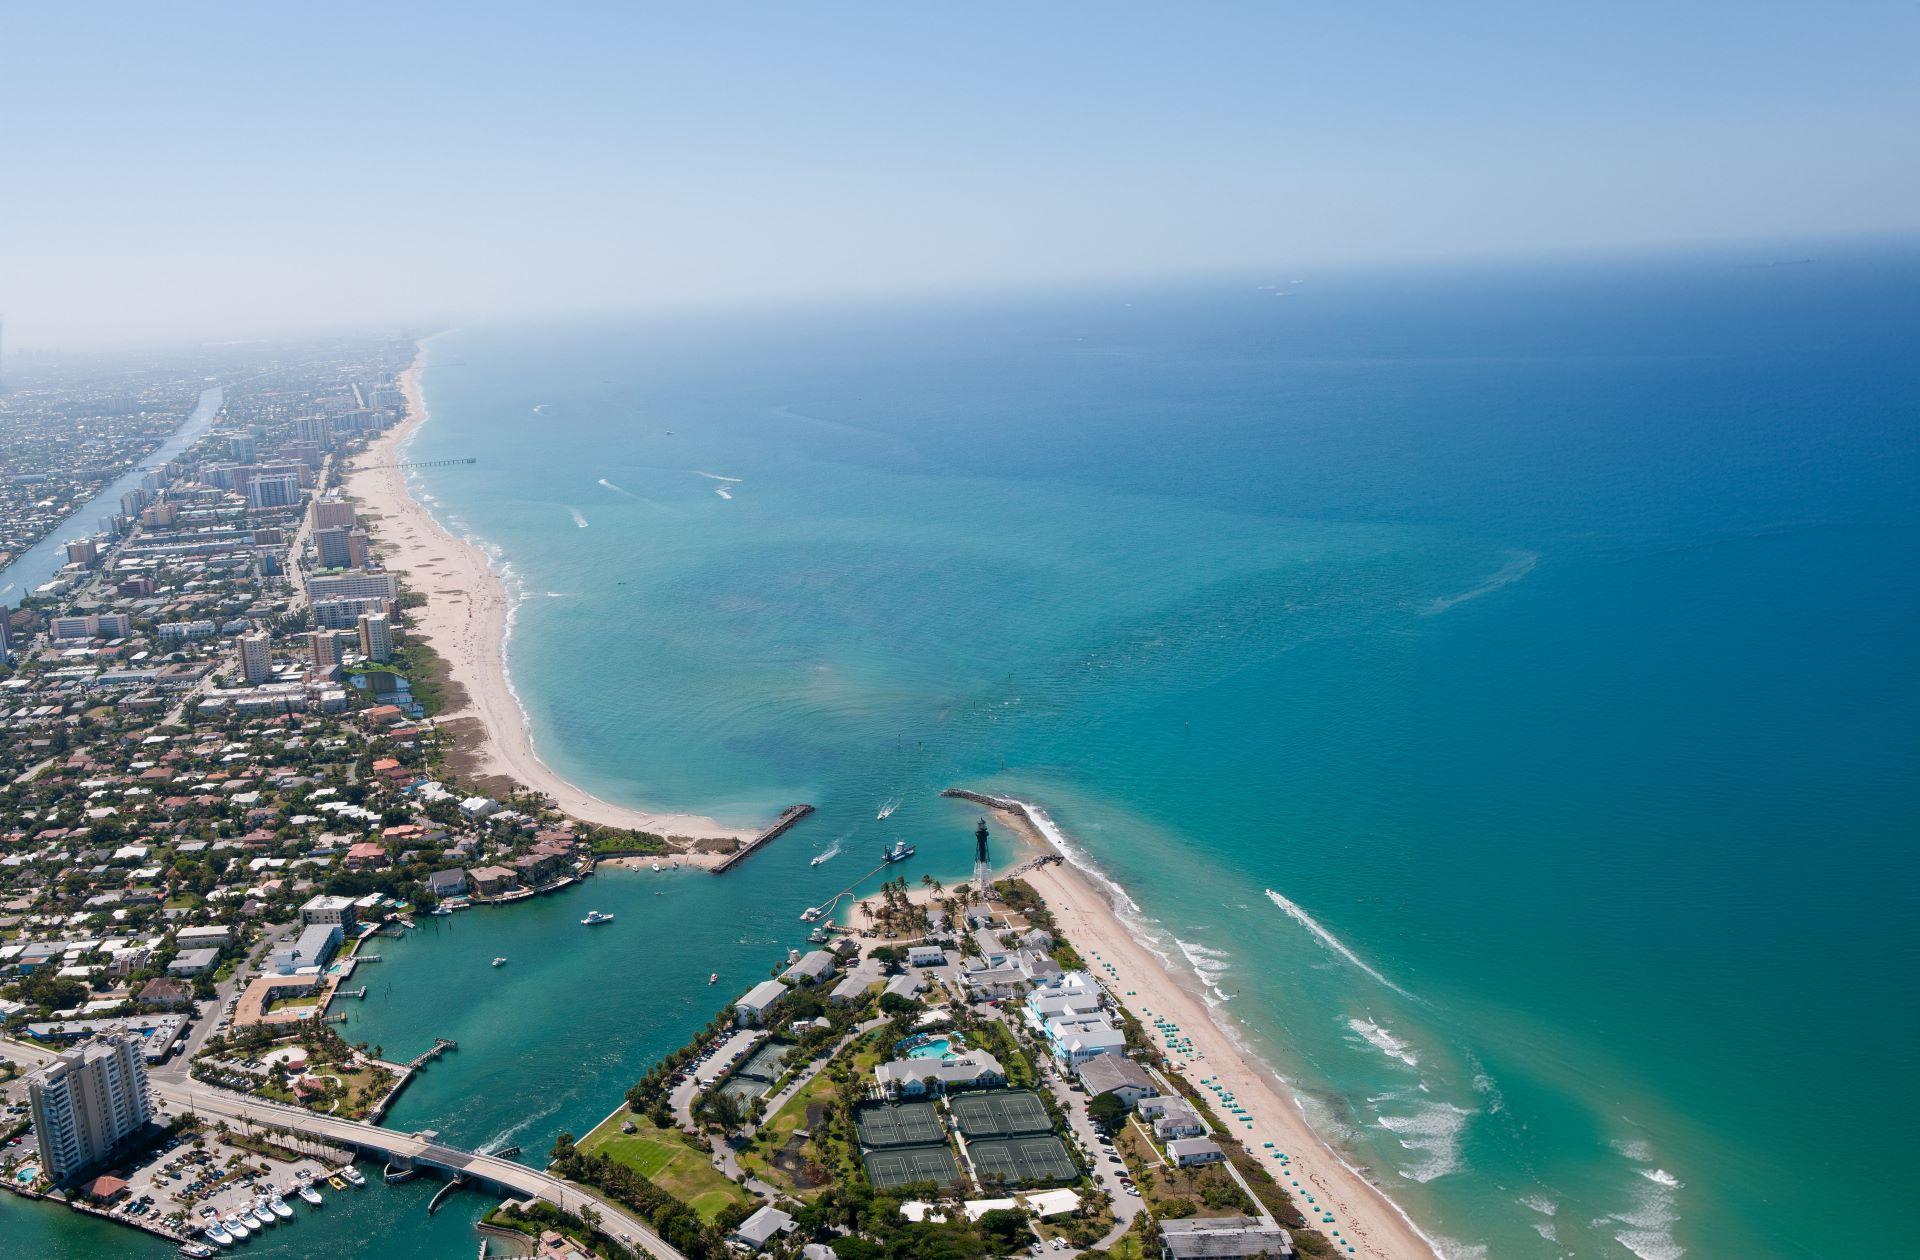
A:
(788, 817)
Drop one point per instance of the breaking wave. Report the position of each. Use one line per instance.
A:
(1433, 1134)
(1383, 1041)
(1329, 940)
(1208, 964)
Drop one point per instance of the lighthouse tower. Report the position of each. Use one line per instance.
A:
(982, 873)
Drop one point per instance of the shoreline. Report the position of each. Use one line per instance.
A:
(467, 619)
(1082, 903)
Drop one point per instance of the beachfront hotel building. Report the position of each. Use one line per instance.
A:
(376, 637)
(352, 586)
(87, 1103)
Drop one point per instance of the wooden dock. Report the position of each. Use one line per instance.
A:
(788, 817)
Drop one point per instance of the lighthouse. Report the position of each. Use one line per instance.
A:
(982, 873)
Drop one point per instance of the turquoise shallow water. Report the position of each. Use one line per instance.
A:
(1540, 640)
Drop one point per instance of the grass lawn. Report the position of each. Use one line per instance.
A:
(777, 1131)
(669, 1160)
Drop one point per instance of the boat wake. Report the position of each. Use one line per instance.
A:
(1329, 940)
(832, 851)
(724, 493)
(887, 807)
(716, 477)
(1518, 565)
(578, 519)
(616, 489)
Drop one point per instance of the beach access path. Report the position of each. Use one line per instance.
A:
(465, 620)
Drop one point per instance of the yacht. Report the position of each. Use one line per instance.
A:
(810, 914)
(596, 917)
(500, 961)
(199, 1251)
(819, 935)
(353, 1176)
(235, 1226)
(259, 1212)
(280, 1207)
(900, 852)
(311, 1195)
(217, 1235)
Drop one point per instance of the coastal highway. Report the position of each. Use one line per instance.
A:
(516, 1179)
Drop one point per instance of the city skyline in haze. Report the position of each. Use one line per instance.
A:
(218, 170)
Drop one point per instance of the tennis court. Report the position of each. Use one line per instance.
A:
(1022, 1161)
(902, 1165)
(1000, 1113)
(905, 1124)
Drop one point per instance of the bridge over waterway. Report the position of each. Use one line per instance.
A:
(421, 1150)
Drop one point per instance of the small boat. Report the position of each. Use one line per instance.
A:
(886, 810)
(823, 857)
(311, 1195)
(900, 852)
(235, 1226)
(819, 935)
(500, 961)
(217, 1235)
(810, 914)
(658, 867)
(596, 917)
(281, 1208)
(353, 1176)
(714, 978)
(199, 1251)
(259, 1212)
(336, 1182)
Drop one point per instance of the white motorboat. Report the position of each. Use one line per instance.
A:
(353, 1176)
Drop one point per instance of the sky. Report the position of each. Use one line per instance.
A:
(232, 170)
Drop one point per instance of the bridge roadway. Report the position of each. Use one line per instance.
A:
(503, 1174)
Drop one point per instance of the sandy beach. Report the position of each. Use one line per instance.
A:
(465, 620)
(1149, 988)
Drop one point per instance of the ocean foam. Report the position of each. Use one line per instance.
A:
(1209, 965)
(1384, 1041)
(1433, 1133)
(1328, 939)
(1661, 1177)
(1518, 565)
(1541, 1204)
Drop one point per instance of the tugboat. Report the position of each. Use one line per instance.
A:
(500, 961)
(595, 917)
(900, 852)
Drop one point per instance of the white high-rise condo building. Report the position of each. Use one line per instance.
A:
(256, 658)
(87, 1103)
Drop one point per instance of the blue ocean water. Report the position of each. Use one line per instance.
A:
(1498, 685)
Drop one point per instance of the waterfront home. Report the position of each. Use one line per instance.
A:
(555, 1245)
(1058, 1003)
(1117, 1075)
(1195, 1152)
(1075, 1040)
(1223, 1238)
(310, 951)
(812, 967)
(760, 1229)
(915, 1078)
(491, 881)
(1036, 967)
(447, 883)
(752, 1007)
(1177, 1120)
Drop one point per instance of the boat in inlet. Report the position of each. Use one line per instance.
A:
(900, 852)
(596, 917)
(353, 1176)
(500, 961)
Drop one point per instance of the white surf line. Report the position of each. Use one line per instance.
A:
(1331, 941)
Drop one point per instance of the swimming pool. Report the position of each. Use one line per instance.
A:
(941, 1047)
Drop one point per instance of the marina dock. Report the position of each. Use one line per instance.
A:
(788, 817)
